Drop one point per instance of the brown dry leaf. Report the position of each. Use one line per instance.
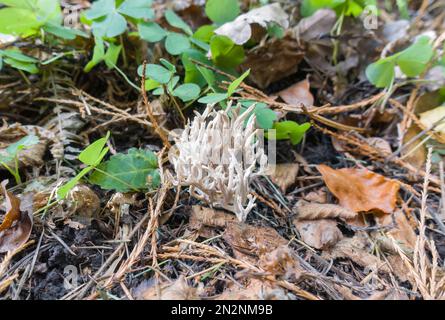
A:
(316, 26)
(250, 242)
(313, 211)
(319, 234)
(280, 57)
(281, 263)
(402, 232)
(178, 290)
(380, 144)
(12, 208)
(255, 290)
(17, 225)
(416, 157)
(284, 175)
(361, 190)
(319, 196)
(298, 93)
(202, 220)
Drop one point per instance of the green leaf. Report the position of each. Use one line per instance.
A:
(192, 75)
(204, 33)
(381, 73)
(136, 170)
(209, 76)
(18, 22)
(156, 72)
(94, 153)
(175, 21)
(113, 25)
(187, 92)
(63, 191)
(17, 55)
(151, 31)
(25, 66)
(265, 117)
(98, 55)
(112, 55)
(414, 59)
(13, 149)
(222, 11)
(213, 98)
(138, 9)
(176, 43)
(168, 65)
(63, 32)
(289, 130)
(151, 84)
(225, 53)
(235, 84)
(99, 9)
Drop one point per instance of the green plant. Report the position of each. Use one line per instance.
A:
(342, 7)
(110, 56)
(10, 155)
(133, 171)
(162, 79)
(18, 60)
(288, 130)
(412, 62)
(221, 11)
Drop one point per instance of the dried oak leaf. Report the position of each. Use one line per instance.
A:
(361, 190)
(319, 234)
(284, 175)
(17, 224)
(202, 220)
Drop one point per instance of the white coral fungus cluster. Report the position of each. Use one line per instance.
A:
(217, 155)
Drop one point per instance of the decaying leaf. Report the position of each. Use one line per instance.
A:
(361, 190)
(316, 26)
(281, 264)
(319, 234)
(178, 290)
(82, 201)
(435, 119)
(414, 154)
(17, 224)
(284, 175)
(203, 216)
(402, 230)
(280, 57)
(255, 289)
(239, 30)
(314, 211)
(380, 144)
(250, 242)
(297, 94)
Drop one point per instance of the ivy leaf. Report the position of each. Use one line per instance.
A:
(289, 130)
(175, 21)
(94, 153)
(221, 11)
(176, 43)
(136, 170)
(151, 31)
(381, 73)
(414, 59)
(138, 9)
(187, 92)
(156, 72)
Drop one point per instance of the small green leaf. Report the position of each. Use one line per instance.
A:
(381, 73)
(213, 98)
(151, 31)
(187, 92)
(221, 11)
(156, 72)
(112, 55)
(175, 21)
(168, 65)
(176, 43)
(414, 59)
(235, 84)
(113, 25)
(98, 55)
(136, 170)
(99, 9)
(151, 84)
(204, 33)
(17, 55)
(138, 9)
(63, 191)
(25, 66)
(289, 130)
(265, 117)
(192, 75)
(94, 153)
(19, 22)
(225, 53)
(208, 75)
